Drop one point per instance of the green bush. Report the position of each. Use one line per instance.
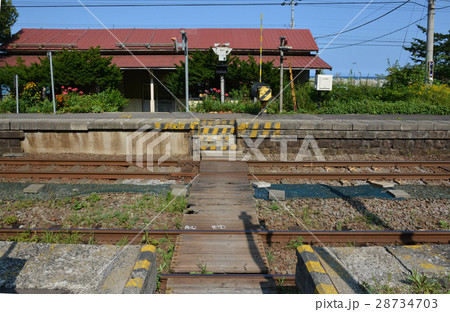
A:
(378, 107)
(8, 105)
(110, 100)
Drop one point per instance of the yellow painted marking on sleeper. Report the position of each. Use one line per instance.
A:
(277, 125)
(325, 289)
(254, 134)
(205, 131)
(150, 248)
(158, 125)
(267, 125)
(215, 130)
(266, 133)
(430, 266)
(303, 248)
(143, 264)
(255, 126)
(414, 246)
(135, 282)
(167, 126)
(314, 266)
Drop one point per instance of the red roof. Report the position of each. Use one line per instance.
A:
(158, 46)
(204, 38)
(169, 61)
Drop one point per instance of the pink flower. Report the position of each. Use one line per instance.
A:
(218, 91)
(75, 89)
(81, 92)
(226, 94)
(64, 93)
(70, 88)
(62, 87)
(214, 89)
(214, 97)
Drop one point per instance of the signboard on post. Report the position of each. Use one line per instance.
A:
(324, 82)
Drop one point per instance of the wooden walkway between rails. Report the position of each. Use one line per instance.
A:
(220, 199)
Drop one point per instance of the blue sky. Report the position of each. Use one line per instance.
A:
(322, 17)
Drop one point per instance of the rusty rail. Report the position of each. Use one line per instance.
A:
(314, 237)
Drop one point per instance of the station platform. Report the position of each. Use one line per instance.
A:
(113, 133)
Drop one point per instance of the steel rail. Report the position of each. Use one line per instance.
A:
(351, 163)
(96, 175)
(350, 176)
(314, 237)
(259, 175)
(99, 162)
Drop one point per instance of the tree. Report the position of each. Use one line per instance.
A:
(86, 70)
(202, 73)
(8, 16)
(441, 48)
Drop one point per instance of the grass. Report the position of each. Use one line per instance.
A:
(416, 283)
(49, 238)
(444, 225)
(97, 211)
(274, 206)
(295, 243)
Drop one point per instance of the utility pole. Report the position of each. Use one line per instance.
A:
(283, 48)
(49, 54)
(430, 41)
(186, 66)
(292, 3)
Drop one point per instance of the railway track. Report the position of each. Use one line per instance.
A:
(313, 237)
(109, 169)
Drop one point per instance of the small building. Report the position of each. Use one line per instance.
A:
(146, 56)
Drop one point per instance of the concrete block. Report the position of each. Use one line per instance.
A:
(261, 184)
(341, 126)
(310, 276)
(33, 188)
(11, 135)
(4, 124)
(431, 260)
(443, 126)
(179, 190)
(277, 194)
(425, 126)
(79, 125)
(307, 125)
(359, 126)
(399, 194)
(383, 184)
(409, 126)
(142, 279)
(24, 124)
(71, 268)
(371, 265)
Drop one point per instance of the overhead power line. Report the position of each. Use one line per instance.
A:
(199, 4)
(366, 23)
(373, 39)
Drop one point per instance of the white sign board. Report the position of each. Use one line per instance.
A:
(222, 52)
(324, 82)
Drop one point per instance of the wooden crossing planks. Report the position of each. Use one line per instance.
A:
(219, 254)
(220, 199)
(222, 285)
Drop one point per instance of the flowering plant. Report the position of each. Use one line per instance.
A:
(66, 95)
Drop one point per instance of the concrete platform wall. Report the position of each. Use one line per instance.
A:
(336, 137)
(107, 133)
(103, 142)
